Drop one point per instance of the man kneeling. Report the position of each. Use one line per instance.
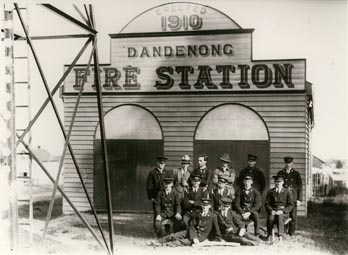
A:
(232, 228)
(199, 228)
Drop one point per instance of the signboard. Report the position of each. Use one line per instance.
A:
(179, 54)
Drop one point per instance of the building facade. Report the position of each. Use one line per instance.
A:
(182, 80)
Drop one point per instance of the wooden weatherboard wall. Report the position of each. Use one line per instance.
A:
(178, 61)
(285, 117)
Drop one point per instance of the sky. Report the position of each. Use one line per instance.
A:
(312, 29)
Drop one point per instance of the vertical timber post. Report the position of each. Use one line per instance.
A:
(8, 152)
(102, 136)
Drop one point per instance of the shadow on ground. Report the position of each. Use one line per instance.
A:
(327, 225)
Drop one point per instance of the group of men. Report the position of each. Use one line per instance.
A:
(193, 206)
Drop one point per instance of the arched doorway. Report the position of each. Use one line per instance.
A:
(134, 139)
(233, 129)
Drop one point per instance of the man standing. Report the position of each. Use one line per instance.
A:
(167, 206)
(155, 182)
(278, 202)
(199, 228)
(259, 180)
(203, 171)
(248, 204)
(231, 227)
(182, 175)
(293, 182)
(225, 171)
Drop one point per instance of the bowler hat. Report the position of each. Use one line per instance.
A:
(288, 159)
(252, 157)
(225, 158)
(185, 159)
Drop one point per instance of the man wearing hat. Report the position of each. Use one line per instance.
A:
(155, 181)
(231, 227)
(167, 206)
(278, 204)
(203, 171)
(248, 203)
(220, 192)
(259, 180)
(293, 182)
(200, 226)
(182, 175)
(225, 171)
(191, 204)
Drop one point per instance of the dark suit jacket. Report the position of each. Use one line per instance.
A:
(293, 182)
(167, 205)
(259, 180)
(155, 182)
(200, 226)
(231, 220)
(250, 202)
(279, 201)
(207, 176)
(216, 198)
(196, 197)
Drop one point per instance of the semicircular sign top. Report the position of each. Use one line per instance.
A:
(231, 122)
(180, 16)
(130, 122)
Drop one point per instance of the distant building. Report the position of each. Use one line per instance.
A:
(340, 177)
(325, 176)
(50, 162)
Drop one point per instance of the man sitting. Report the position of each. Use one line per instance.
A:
(199, 228)
(218, 193)
(192, 200)
(231, 227)
(278, 203)
(167, 206)
(248, 203)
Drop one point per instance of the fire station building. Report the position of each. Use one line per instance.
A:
(182, 80)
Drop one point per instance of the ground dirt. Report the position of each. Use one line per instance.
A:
(324, 231)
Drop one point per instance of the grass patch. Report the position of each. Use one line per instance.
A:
(41, 208)
(327, 224)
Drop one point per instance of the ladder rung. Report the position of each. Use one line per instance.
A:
(24, 223)
(22, 200)
(23, 153)
(21, 82)
(20, 57)
(20, 129)
(21, 8)
(23, 177)
(22, 105)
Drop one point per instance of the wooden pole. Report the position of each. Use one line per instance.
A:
(8, 152)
